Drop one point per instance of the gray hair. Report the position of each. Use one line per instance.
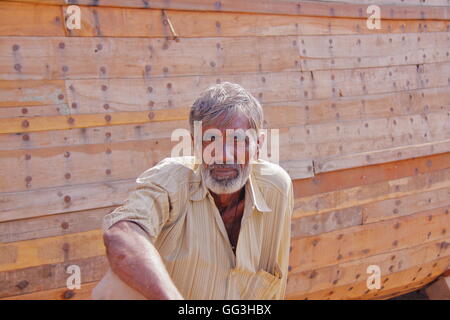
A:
(224, 101)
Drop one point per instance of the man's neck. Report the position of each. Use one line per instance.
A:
(224, 200)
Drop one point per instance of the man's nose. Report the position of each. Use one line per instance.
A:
(228, 153)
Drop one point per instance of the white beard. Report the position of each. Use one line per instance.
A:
(225, 186)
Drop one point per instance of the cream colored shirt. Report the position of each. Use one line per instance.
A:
(177, 211)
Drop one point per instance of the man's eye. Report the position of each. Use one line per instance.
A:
(209, 138)
(239, 138)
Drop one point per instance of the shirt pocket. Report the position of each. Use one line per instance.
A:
(247, 285)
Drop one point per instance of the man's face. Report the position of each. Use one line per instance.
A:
(227, 151)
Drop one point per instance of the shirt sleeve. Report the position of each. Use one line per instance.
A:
(148, 206)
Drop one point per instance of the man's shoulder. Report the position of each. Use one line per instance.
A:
(272, 175)
(172, 170)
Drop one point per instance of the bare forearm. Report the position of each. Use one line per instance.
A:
(136, 261)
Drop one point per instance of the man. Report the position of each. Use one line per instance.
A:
(206, 229)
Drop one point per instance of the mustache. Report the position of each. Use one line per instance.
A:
(224, 166)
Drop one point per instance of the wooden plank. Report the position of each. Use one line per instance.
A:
(45, 123)
(49, 276)
(87, 136)
(32, 93)
(84, 293)
(34, 111)
(30, 19)
(335, 140)
(368, 193)
(51, 250)
(43, 202)
(65, 58)
(329, 221)
(384, 105)
(362, 241)
(392, 208)
(350, 51)
(288, 7)
(44, 20)
(360, 176)
(108, 162)
(352, 272)
(397, 282)
(53, 225)
(380, 156)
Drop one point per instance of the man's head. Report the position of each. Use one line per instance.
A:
(231, 119)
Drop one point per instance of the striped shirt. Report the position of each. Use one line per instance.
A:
(178, 212)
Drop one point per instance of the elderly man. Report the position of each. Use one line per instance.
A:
(208, 229)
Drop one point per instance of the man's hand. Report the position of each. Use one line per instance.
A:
(134, 259)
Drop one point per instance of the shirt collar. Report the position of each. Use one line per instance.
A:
(198, 190)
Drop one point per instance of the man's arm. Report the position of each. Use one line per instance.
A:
(134, 259)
